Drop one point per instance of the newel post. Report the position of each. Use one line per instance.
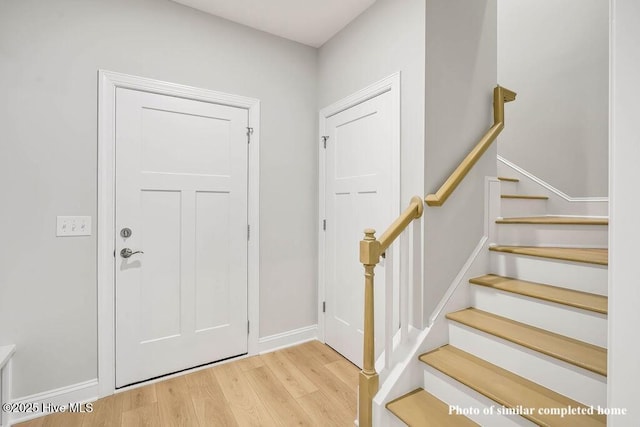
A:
(369, 257)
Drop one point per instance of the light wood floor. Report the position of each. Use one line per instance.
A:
(306, 385)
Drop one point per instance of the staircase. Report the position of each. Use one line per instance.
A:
(531, 349)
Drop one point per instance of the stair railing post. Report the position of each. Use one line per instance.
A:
(368, 381)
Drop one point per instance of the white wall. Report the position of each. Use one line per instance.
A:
(624, 233)
(386, 38)
(460, 77)
(50, 52)
(554, 54)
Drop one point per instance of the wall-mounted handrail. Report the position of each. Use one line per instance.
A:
(370, 251)
(500, 96)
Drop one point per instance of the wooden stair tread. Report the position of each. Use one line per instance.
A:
(578, 353)
(559, 220)
(569, 297)
(422, 409)
(507, 388)
(523, 196)
(504, 178)
(587, 255)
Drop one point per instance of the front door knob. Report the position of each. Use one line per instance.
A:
(126, 253)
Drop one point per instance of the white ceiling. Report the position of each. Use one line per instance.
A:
(311, 22)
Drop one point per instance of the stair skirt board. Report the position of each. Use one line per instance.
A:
(580, 236)
(579, 276)
(572, 322)
(574, 382)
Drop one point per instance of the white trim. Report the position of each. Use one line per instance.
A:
(108, 82)
(288, 339)
(83, 392)
(549, 186)
(388, 84)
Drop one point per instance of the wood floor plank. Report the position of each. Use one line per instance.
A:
(209, 402)
(280, 404)
(506, 388)
(586, 255)
(296, 383)
(249, 363)
(324, 379)
(323, 411)
(245, 404)
(422, 409)
(322, 352)
(214, 412)
(106, 412)
(138, 397)
(36, 422)
(174, 403)
(65, 419)
(346, 371)
(234, 393)
(578, 353)
(142, 416)
(569, 297)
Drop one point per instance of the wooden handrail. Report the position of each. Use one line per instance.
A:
(500, 96)
(370, 251)
(414, 211)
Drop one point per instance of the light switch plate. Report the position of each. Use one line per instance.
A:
(73, 226)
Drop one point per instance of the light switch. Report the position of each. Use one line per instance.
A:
(73, 226)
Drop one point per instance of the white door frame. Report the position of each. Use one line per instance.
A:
(389, 84)
(108, 83)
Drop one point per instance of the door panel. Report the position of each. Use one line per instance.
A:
(181, 187)
(357, 196)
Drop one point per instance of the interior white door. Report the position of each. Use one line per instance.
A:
(358, 164)
(181, 188)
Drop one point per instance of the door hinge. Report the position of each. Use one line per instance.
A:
(324, 306)
(324, 141)
(248, 329)
(248, 232)
(249, 133)
(324, 225)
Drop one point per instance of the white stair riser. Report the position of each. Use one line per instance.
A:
(508, 187)
(584, 277)
(522, 207)
(572, 322)
(569, 380)
(454, 393)
(581, 236)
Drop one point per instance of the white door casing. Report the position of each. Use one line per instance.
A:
(359, 188)
(206, 211)
(181, 187)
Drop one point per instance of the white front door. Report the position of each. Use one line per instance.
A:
(358, 168)
(181, 190)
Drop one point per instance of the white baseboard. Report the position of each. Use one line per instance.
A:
(287, 339)
(77, 393)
